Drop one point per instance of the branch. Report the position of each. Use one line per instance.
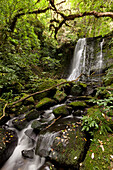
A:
(61, 2)
(39, 92)
(78, 15)
(39, 11)
(4, 111)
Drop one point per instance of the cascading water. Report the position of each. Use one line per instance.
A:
(78, 65)
(84, 59)
(100, 57)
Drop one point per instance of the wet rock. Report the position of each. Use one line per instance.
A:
(45, 103)
(28, 154)
(8, 142)
(44, 143)
(76, 90)
(61, 110)
(77, 105)
(32, 114)
(60, 96)
(78, 112)
(20, 123)
(30, 133)
(36, 125)
(47, 166)
(68, 149)
(46, 84)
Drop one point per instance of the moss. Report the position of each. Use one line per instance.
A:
(77, 105)
(62, 110)
(45, 103)
(83, 85)
(36, 125)
(20, 123)
(29, 100)
(71, 154)
(32, 114)
(60, 96)
(45, 85)
(102, 159)
(76, 90)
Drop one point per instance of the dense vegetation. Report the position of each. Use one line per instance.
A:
(32, 34)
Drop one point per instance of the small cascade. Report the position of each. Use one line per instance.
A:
(16, 161)
(79, 57)
(44, 144)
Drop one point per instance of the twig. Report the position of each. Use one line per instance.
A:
(4, 111)
(52, 122)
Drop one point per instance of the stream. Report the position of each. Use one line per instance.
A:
(26, 156)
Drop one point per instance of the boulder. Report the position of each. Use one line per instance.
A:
(8, 142)
(32, 114)
(60, 96)
(46, 84)
(77, 105)
(67, 150)
(28, 154)
(36, 125)
(61, 110)
(20, 123)
(30, 133)
(45, 103)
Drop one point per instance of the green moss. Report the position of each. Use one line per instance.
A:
(71, 154)
(77, 104)
(32, 114)
(62, 110)
(76, 90)
(60, 96)
(102, 158)
(45, 85)
(45, 103)
(83, 85)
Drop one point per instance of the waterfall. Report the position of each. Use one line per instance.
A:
(100, 57)
(78, 64)
(85, 60)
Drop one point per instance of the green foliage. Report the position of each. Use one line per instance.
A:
(88, 123)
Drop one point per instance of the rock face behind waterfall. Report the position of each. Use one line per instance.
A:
(91, 58)
(8, 142)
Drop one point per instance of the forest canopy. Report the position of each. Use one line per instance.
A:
(78, 17)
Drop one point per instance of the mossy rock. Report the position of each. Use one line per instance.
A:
(68, 149)
(8, 142)
(20, 123)
(61, 110)
(36, 125)
(60, 96)
(102, 149)
(83, 85)
(76, 90)
(77, 105)
(32, 114)
(29, 100)
(45, 85)
(45, 103)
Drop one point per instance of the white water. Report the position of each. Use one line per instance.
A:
(79, 57)
(80, 64)
(100, 57)
(17, 161)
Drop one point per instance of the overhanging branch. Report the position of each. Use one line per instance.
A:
(17, 16)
